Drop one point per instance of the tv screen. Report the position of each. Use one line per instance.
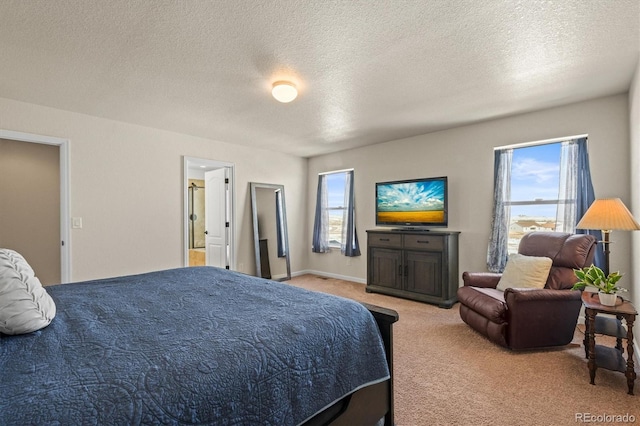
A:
(412, 203)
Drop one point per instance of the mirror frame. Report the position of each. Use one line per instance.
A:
(256, 237)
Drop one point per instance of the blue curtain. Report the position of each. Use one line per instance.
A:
(497, 252)
(585, 196)
(566, 213)
(282, 252)
(320, 239)
(350, 246)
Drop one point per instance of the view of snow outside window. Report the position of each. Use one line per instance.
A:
(535, 179)
(336, 188)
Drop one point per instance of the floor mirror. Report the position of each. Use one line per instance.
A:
(270, 238)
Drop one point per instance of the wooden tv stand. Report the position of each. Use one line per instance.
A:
(418, 265)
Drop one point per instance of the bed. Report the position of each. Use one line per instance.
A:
(199, 345)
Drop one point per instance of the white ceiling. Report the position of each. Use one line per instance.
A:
(368, 71)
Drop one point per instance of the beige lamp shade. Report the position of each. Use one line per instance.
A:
(608, 214)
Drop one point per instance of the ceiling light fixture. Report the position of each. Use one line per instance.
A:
(284, 91)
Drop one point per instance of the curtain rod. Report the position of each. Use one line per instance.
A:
(543, 142)
(336, 171)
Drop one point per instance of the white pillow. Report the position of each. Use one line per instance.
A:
(25, 306)
(525, 272)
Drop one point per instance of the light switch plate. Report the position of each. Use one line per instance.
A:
(76, 222)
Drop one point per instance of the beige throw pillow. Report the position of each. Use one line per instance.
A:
(525, 272)
(25, 306)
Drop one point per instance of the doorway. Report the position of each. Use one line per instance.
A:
(63, 241)
(209, 219)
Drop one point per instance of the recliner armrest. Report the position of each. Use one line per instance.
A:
(515, 295)
(481, 279)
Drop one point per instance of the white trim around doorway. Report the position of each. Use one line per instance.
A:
(65, 240)
(208, 165)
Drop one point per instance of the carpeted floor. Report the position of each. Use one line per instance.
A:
(447, 374)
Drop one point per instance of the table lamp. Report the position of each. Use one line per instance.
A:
(607, 214)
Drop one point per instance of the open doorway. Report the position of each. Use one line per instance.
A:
(36, 247)
(209, 226)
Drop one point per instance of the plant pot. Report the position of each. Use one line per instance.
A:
(608, 299)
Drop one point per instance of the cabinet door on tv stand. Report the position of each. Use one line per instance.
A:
(424, 272)
(386, 267)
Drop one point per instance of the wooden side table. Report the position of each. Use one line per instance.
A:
(603, 356)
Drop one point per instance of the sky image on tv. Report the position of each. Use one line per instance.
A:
(411, 202)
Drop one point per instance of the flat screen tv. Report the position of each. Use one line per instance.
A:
(413, 203)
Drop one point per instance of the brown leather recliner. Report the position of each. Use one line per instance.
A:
(530, 318)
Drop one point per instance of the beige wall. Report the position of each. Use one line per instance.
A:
(30, 207)
(465, 155)
(634, 126)
(110, 161)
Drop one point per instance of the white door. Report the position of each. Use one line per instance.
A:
(215, 209)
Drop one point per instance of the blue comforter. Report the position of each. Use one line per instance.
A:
(188, 346)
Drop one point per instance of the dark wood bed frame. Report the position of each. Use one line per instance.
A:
(367, 405)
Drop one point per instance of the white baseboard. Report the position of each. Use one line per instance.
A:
(329, 275)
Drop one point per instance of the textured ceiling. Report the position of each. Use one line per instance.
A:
(368, 71)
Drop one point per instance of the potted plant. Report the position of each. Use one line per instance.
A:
(606, 284)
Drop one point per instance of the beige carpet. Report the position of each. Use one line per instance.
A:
(447, 374)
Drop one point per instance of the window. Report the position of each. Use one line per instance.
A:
(335, 206)
(535, 192)
(334, 224)
(538, 187)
